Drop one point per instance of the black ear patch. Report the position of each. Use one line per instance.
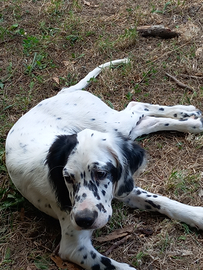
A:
(56, 160)
(134, 156)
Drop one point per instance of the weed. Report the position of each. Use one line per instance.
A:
(42, 262)
(129, 96)
(70, 79)
(154, 10)
(73, 38)
(181, 182)
(139, 257)
(30, 44)
(10, 198)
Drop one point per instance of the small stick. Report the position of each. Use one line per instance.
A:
(116, 244)
(182, 85)
(191, 76)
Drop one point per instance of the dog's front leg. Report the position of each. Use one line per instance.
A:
(76, 247)
(139, 198)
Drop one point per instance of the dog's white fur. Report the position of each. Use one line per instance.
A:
(72, 154)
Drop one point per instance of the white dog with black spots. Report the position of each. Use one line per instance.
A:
(72, 154)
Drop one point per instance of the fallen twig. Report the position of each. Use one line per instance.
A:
(191, 76)
(116, 244)
(182, 85)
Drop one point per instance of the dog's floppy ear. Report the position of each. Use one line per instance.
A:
(56, 160)
(129, 160)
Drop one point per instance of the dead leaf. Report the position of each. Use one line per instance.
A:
(199, 52)
(180, 253)
(200, 192)
(66, 63)
(116, 234)
(86, 3)
(56, 79)
(89, 4)
(64, 265)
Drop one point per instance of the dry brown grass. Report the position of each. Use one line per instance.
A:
(73, 38)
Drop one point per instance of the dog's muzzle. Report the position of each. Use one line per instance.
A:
(86, 218)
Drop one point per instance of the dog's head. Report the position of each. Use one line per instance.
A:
(90, 168)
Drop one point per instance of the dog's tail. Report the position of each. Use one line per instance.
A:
(93, 74)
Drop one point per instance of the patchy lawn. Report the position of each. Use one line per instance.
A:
(45, 45)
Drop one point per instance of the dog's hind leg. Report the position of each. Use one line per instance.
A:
(141, 199)
(150, 124)
(175, 112)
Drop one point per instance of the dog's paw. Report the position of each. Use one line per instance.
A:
(197, 218)
(194, 125)
(185, 114)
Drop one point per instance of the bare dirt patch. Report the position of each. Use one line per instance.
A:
(48, 44)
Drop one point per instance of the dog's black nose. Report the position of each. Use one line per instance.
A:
(85, 218)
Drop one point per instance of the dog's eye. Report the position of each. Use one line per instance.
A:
(69, 178)
(100, 175)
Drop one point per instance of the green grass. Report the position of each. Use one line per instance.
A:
(183, 183)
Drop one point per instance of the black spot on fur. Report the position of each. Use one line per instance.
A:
(93, 254)
(103, 192)
(153, 204)
(175, 115)
(107, 262)
(80, 249)
(92, 187)
(56, 160)
(161, 109)
(186, 115)
(146, 109)
(138, 192)
(84, 195)
(77, 198)
(101, 207)
(166, 125)
(183, 119)
(96, 267)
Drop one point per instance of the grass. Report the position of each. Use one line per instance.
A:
(50, 44)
